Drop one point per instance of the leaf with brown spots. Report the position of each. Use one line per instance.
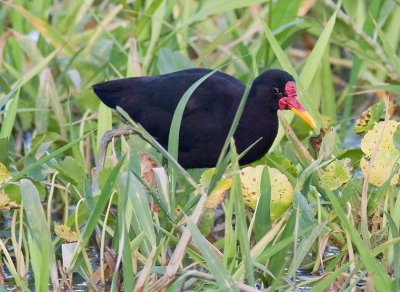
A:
(66, 234)
(369, 117)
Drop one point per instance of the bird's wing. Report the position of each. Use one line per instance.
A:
(151, 101)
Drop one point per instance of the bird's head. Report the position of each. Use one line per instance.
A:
(289, 101)
(283, 89)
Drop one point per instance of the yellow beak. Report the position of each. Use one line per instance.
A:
(305, 116)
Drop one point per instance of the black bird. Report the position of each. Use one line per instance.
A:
(151, 101)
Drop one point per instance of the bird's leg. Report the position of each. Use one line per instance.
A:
(101, 153)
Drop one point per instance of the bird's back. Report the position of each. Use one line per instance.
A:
(151, 101)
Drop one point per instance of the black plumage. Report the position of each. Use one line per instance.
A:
(151, 101)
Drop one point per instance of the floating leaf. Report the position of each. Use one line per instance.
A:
(218, 195)
(281, 189)
(337, 173)
(66, 234)
(386, 156)
(369, 117)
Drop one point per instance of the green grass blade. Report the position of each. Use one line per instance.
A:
(240, 215)
(380, 276)
(390, 88)
(262, 221)
(103, 198)
(9, 120)
(173, 139)
(141, 213)
(152, 141)
(304, 248)
(34, 71)
(41, 247)
(388, 49)
(304, 98)
(50, 32)
(314, 60)
(211, 7)
(323, 284)
(214, 265)
(4, 99)
(44, 159)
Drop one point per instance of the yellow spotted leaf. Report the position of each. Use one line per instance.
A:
(386, 156)
(66, 234)
(218, 195)
(281, 189)
(4, 201)
(369, 117)
(4, 174)
(337, 173)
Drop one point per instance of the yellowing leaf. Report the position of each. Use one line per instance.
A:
(337, 173)
(369, 117)
(218, 195)
(281, 189)
(371, 138)
(4, 201)
(4, 174)
(66, 234)
(251, 182)
(386, 156)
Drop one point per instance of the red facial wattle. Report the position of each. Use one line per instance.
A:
(291, 102)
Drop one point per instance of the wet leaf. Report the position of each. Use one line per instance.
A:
(281, 189)
(337, 173)
(66, 234)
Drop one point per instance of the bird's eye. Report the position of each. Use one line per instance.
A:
(276, 90)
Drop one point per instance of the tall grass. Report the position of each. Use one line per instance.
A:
(343, 55)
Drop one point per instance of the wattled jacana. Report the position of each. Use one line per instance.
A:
(151, 101)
